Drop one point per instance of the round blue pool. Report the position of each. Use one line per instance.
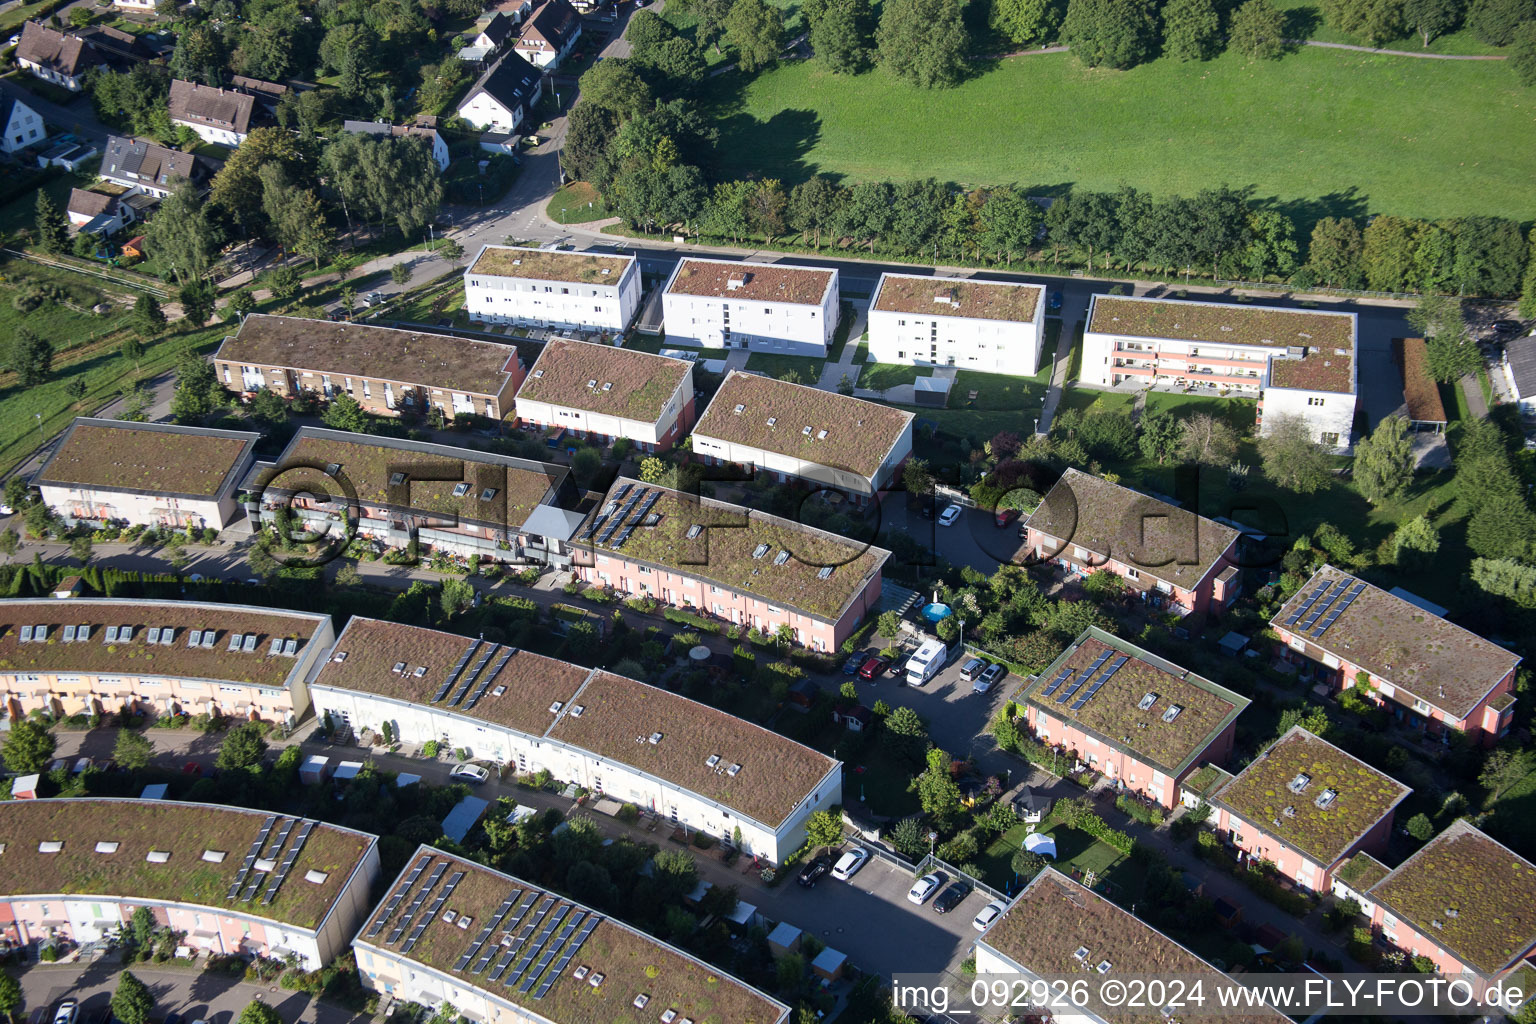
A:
(937, 612)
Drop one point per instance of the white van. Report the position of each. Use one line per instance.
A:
(927, 662)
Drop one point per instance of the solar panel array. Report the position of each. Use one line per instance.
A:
(522, 936)
(468, 679)
(287, 865)
(566, 956)
(251, 855)
(397, 896)
(532, 949)
(253, 886)
(1077, 684)
(1109, 670)
(415, 905)
(453, 674)
(485, 682)
(431, 912)
(1337, 610)
(1327, 602)
(489, 929)
(617, 519)
(551, 950)
(1055, 684)
(637, 517)
(1311, 599)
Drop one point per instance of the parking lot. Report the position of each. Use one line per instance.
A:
(192, 994)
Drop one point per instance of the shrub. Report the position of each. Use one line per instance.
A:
(429, 750)
(683, 618)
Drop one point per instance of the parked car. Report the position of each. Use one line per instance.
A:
(923, 888)
(951, 898)
(1507, 326)
(989, 913)
(949, 515)
(988, 678)
(872, 668)
(81, 765)
(812, 872)
(855, 662)
(470, 773)
(68, 1010)
(972, 669)
(1003, 516)
(849, 863)
(1054, 302)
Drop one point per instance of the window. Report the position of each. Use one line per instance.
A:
(1314, 401)
(1330, 439)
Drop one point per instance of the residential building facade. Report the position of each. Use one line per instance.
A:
(61, 58)
(549, 288)
(1429, 672)
(549, 34)
(763, 307)
(147, 474)
(1167, 556)
(78, 869)
(988, 326)
(605, 393)
(434, 141)
(501, 98)
(794, 432)
(691, 764)
(387, 371)
(20, 124)
(1141, 721)
(152, 169)
(220, 116)
(1519, 365)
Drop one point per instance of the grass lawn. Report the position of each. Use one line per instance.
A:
(1239, 412)
(656, 342)
(1102, 401)
(1516, 812)
(57, 321)
(879, 376)
(1077, 854)
(883, 785)
(1343, 132)
(20, 214)
(861, 354)
(996, 392)
(1305, 21)
(808, 367)
(576, 203)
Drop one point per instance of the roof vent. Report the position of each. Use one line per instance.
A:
(1104, 966)
(50, 846)
(460, 489)
(592, 383)
(641, 1000)
(805, 431)
(464, 922)
(578, 973)
(396, 479)
(264, 864)
(669, 1017)
(821, 435)
(419, 671)
(332, 468)
(734, 283)
(1147, 700)
(577, 709)
(1452, 912)
(517, 262)
(694, 531)
(554, 708)
(1290, 811)
(498, 691)
(595, 980)
(733, 771)
(1080, 953)
(1299, 783)
(825, 572)
(739, 410)
(1172, 712)
(711, 760)
(105, 847)
(1326, 798)
(538, 373)
(488, 494)
(607, 386)
(450, 916)
(781, 557)
(399, 667)
(655, 738)
(158, 856)
(317, 877)
(773, 421)
(761, 550)
(214, 856)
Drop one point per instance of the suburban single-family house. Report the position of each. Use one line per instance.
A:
(152, 169)
(97, 212)
(604, 392)
(62, 58)
(147, 474)
(234, 881)
(500, 950)
(764, 307)
(549, 34)
(988, 326)
(221, 116)
(22, 126)
(1139, 720)
(1169, 557)
(1519, 365)
(686, 762)
(457, 500)
(387, 371)
(1431, 673)
(1306, 806)
(794, 432)
(495, 33)
(93, 656)
(430, 136)
(583, 291)
(135, 5)
(737, 564)
(1297, 362)
(268, 94)
(501, 98)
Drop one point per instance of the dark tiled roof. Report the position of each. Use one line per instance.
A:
(756, 282)
(393, 130)
(510, 82)
(149, 458)
(90, 204)
(228, 109)
(63, 52)
(1521, 354)
(943, 296)
(552, 22)
(632, 384)
(143, 162)
(499, 29)
(269, 91)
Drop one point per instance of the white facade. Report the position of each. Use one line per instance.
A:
(944, 336)
(417, 723)
(135, 5)
(662, 433)
(218, 136)
(142, 509)
(1328, 414)
(539, 302)
(727, 320)
(22, 129)
(483, 111)
(788, 467)
(74, 83)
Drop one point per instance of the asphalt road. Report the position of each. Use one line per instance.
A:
(195, 994)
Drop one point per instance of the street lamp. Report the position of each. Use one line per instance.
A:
(931, 837)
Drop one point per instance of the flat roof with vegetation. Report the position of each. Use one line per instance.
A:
(721, 551)
(146, 458)
(1361, 872)
(137, 656)
(614, 966)
(1418, 652)
(1120, 712)
(958, 297)
(185, 832)
(1420, 391)
(1219, 322)
(1283, 792)
(550, 265)
(775, 414)
(604, 379)
(1329, 369)
(754, 282)
(1468, 893)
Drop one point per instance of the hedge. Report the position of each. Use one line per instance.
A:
(1095, 826)
(698, 622)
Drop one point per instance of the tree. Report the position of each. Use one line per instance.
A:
(260, 1013)
(617, 87)
(181, 237)
(17, 495)
(756, 31)
(1009, 221)
(52, 229)
(1431, 18)
(1024, 21)
(450, 250)
(905, 730)
(1522, 58)
(1191, 30)
(1384, 461)
(1207, 440)
(889, 625)
(1291, 458)
(652, 469)
(28, 748)
(82, 550)
(1420, 827)
(148, 318)
(823, 828)
(283, 282)
(243, 747)
(294, 215)
(1334, 252)
(923, 41)
(1110, 33)
(1258, 30)
(936, 789)
(1489, 255)
(843, 37)
(812, 205)
(1027, 864)
(1389, 245)
(10, 540)
(457, 596)
(10, 997)
(133, 750)
(345, 414)
(198, 392)
(909, 836)
(1502, 526)
(1159, 436)
(1450, 351)
(132, 1002)
(31, 357)
(400, 273)
(916, 477)
(238, 188)
(1371, 21)
(197, 300)
(392, 182)
(1504, 767)
(1495, 21)
(1415, 543)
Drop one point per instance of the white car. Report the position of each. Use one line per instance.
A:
(989, 913)
(849, 863)
(66, 1012)
(470, 773)
(949, 515)
(923, 888)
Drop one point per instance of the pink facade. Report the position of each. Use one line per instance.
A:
(1403, 935)
(1125, 766)
(84, 919)
(1215, 591)
(1291, 862)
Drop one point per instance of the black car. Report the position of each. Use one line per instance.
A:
(951, 898)
(812, 872)
(1508, 326)
(856, 661)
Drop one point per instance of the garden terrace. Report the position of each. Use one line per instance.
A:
(1319, 370)
(1115, 713)
(1420, 393)
(1397, 641)
(619, 715)
(1220, 323)
(1361, 872)
(147, 458)
(373, 647)
(137, 656)
(550, 265)
(1115, 521)
(1207, 779)
(971, 300)
(721, 553)
(631, 384)
(758, 282)
(1054, 918)
(367, 463)
(860, 434)
(378, 353)
(1469, 894)
(629, 963)
(1262, 795)
(183, 830)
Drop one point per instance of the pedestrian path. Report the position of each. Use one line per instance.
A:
(1058, 375)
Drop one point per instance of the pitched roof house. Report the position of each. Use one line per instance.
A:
(221, 116)
(430, 136)
(151, 168)
(59, 57)
(550, 32)
(500, 99)
(20, 125)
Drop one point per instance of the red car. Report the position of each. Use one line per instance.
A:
(1004, 516)
(872, 668)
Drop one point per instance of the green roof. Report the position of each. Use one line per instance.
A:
(604, 379)
(1221, 323)
(1361, 872)
(149, 458)
(550, 265)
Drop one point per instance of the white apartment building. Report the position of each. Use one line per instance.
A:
(1295, 361)
(763, 307)
(605, 392)
(989, 326)
(584, 291)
